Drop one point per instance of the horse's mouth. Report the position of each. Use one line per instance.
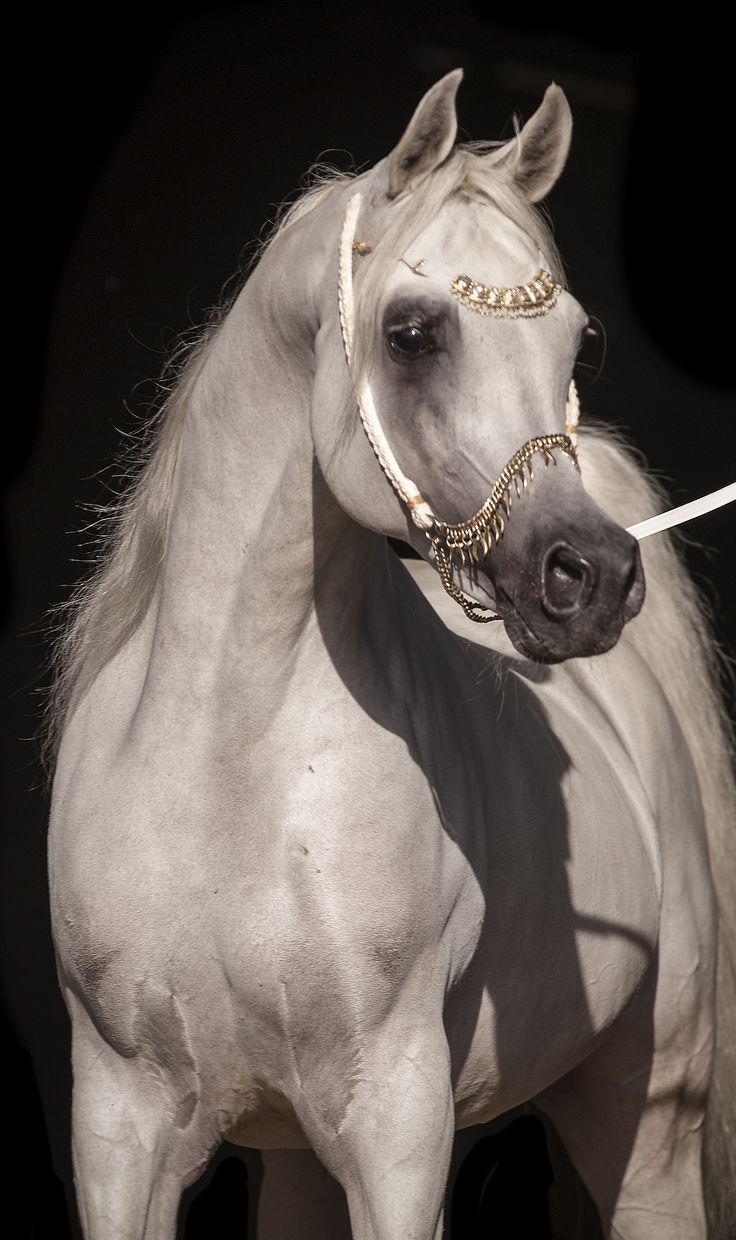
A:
(521, 634)
(555, 647)
(575, 639)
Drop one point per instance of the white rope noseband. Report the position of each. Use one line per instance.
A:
(471, 538)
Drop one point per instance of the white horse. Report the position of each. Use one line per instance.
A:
(333, 868)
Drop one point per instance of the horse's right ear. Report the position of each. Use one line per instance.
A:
(534, 159)
(429, 136)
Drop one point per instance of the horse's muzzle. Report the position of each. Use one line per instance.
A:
(568, 593)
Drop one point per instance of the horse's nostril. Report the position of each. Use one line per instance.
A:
(567, 580)
(565, 573)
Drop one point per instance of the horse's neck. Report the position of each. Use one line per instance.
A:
(253, 535)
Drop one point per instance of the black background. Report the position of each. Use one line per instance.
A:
(152, 144)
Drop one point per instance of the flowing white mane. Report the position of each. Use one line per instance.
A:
(130, 535)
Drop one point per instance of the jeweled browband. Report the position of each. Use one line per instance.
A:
(518, 301)
(522, 301)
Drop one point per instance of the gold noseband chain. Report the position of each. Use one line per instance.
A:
(468, 541)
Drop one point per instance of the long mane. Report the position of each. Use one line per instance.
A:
(129, 536)
(127, 545)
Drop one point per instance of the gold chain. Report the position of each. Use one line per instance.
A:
(469, 605)
(476, 537)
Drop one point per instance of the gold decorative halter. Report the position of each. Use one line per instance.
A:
(467, 542)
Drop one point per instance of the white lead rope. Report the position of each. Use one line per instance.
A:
(408, 491)
(686, 512)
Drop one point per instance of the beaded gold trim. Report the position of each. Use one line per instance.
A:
(524, 301)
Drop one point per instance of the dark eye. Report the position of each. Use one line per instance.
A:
(408, 341)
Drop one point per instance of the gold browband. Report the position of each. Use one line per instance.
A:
(523, 301)
(519, 301)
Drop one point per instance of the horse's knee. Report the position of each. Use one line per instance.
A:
(391, 1150)
(131, 1161)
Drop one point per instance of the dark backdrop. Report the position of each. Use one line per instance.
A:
(154, 145)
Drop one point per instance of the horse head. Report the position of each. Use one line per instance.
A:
(461, 339)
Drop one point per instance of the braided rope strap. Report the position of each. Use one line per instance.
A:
(572, 413)
(408, 491)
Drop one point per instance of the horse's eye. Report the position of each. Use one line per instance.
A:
(409, 341)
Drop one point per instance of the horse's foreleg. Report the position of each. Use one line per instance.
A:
(631, 1115)
(390, 1149)
(131, 1161)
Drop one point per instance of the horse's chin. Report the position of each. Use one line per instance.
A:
(544, 643)
(533, 635)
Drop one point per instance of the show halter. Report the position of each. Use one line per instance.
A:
(469, 541)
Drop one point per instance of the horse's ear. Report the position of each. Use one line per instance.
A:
(428, 138)
(534, 159)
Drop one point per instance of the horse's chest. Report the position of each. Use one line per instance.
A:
(307, 890)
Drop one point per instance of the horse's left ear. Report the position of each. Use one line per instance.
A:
(428, 138)
(534, 159)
